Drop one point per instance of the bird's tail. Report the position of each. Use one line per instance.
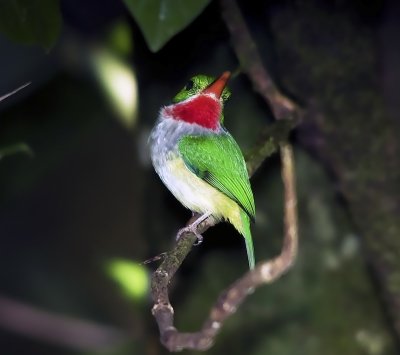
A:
(247, 237)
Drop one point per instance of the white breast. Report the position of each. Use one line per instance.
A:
(190, 190)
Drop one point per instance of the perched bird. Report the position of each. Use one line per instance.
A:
(199, 161)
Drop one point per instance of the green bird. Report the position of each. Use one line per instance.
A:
(199, 161)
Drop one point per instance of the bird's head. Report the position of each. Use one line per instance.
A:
(201, 101)
(197, 84)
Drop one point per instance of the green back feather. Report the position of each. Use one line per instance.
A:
(218, 160)
(248, 239)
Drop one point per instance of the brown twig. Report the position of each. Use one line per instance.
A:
(265, 272)
(14, 91)
(57, 329)
(251, 63)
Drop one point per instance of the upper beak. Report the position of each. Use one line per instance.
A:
(218, 86)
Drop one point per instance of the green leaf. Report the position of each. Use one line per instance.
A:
(31, 21)
(160, 20)
(118, 80)
(119, 39)
(131, 277)
(14, 149)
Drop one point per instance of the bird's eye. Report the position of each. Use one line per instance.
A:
(189, 85)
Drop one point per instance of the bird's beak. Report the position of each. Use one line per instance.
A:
(218, 86)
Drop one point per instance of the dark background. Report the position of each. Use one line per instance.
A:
(88, 193)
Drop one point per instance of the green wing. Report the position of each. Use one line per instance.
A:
(218, 160)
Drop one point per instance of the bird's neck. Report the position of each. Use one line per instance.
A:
(203, 110)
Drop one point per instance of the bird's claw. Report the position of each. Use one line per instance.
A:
(199, 240)
(190, 229)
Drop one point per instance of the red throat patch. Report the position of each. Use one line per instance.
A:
(203, 110)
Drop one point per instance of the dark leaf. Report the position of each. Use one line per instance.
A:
(160, 20)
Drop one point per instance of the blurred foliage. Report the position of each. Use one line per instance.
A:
(160, 20)
(120, 38)
(325, 305)
(132, 278)
(360, 137)
(31, 21)
(118, 81)
(14, 149)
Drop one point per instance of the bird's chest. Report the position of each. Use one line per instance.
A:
(165, 136)
(190, 190)
(164, 149)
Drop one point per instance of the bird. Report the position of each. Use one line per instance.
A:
(200, 162)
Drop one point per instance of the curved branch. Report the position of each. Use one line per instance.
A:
(251, 63)
(229, 300)
(266, 271)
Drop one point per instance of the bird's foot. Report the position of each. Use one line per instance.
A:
(192, 228)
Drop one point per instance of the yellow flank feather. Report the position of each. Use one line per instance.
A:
(199, 196)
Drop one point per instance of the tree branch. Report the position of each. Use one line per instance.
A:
(267, 271)
(251, 63)
(14, 91)
(57, 329)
